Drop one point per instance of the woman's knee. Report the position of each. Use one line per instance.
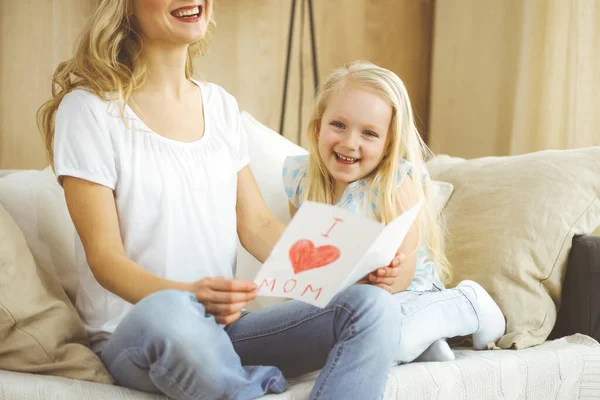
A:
(164, 302)
(365, 297)
(371, 308)
(174, 323)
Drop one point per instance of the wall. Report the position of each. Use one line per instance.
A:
(35, 35)
(513, 77)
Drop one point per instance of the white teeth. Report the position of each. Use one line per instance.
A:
(185, 13)
(349, 159)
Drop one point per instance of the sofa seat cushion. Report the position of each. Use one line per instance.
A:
(563, 369)
(18, 385)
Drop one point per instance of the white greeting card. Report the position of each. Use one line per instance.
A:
(325, 249)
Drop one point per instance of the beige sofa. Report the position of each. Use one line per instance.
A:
(493, 241)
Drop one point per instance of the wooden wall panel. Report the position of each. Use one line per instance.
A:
(247, 55)
(35, 35)
(395, 34)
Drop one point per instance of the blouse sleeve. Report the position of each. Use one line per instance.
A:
(406, 169)
(82, 142)
(294, 174)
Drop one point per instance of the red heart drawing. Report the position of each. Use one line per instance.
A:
(305, 256)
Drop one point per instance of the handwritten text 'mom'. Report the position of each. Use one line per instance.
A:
(291, 287)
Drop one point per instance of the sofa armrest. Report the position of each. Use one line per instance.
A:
(580, 307)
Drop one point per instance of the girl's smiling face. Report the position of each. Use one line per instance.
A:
(353, 134)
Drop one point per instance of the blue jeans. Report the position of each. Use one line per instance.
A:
(168, 344)
(432, 315)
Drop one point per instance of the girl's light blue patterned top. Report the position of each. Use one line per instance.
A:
(355, 199)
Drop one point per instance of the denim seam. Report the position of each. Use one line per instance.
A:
(435, 302)
(164, 372)
(338, 355)
(181, 391)
(139, 350)
(474, 310)
(122, 356)
(291, 324)
(281, 379)
(278, 381)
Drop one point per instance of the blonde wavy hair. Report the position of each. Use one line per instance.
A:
(107, 62)
(404, 142)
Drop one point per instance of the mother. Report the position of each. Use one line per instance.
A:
(154, 166)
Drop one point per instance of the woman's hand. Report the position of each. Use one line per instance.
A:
(224, 298)
(385, 277)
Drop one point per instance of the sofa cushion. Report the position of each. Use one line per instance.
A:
(511, 221)
(40, 330)
(37, 204)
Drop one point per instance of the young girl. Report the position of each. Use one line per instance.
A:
(154, 167)
(367, 156)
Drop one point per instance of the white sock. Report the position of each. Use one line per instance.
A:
(438, 351)
(492, 324)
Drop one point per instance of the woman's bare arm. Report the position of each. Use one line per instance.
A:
(93, 211)
(292, 208)
(257, 228)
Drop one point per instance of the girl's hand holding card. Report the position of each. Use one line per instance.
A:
(386, 276)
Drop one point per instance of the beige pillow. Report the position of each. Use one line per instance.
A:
(40, 331)
(511, 221)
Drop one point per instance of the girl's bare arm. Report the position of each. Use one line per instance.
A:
(406, 198)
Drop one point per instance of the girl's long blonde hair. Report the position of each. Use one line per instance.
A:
(404, 142)
(107, 62)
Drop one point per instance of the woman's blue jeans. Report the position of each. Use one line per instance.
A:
(168, 344)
